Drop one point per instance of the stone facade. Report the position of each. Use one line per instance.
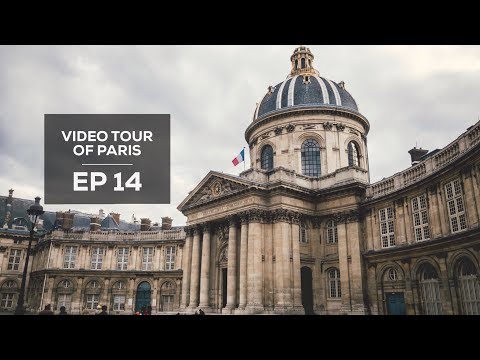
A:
(84, 269)
(304, 231)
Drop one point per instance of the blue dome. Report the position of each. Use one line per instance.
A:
(305, 90)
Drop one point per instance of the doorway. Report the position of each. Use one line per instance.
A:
(396, 304)
(224, 287)
(307, 291)
(144, 296)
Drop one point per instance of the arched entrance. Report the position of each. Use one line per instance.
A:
(307, 291)
(144, 296)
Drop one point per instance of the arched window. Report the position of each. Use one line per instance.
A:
(310, 158)
(332, 233)
(303, 233)
(469, 287)
(296, 64)
(303, 63)
(430, 290)
(168, 294)
(65, 284)
(9, 293)
(119, 296)
(92, 295)
(353, 154)
(267, 157)
(334, 283)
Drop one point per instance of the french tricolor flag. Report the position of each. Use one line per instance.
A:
(239, 158)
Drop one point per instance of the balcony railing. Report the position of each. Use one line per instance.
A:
(430, 165)
(175, 234)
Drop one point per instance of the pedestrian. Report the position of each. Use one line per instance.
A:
(104, 310)
(98, 310)
(47, 310)
(196, 312)
(63, 310)
(149, 310)
(201, 312)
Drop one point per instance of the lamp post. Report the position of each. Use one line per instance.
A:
(33, 212)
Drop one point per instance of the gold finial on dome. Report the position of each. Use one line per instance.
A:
(302, 62)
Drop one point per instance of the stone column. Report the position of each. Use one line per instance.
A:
(399, 222)
(255, 273)
(356, 277)
(343, 264)
(442, 211)
(297, 282)
(205, 269)
(469, 198)
(445, 294)
(243, 261)
(195, 272)
(232, 265)
(186, 266)
(281, 234)
(435, 227)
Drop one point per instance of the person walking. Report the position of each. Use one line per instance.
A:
(104, 310)
(63, 310)
(201, 312)
(47, 310)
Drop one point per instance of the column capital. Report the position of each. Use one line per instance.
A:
(196, 230)
(281, 215)
(205, 227)
(243, 217)
(316, 222)
(232, 220)
(189, 230)
(256, 215)
(296, 217)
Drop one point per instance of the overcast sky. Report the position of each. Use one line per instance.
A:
(423, 94)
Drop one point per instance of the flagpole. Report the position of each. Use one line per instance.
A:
(244, 158)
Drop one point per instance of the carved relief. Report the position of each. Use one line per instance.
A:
(316, 221)
(354, 132)
(222, 232)
(327, 125)
(290, 127)
(281, 215)
(278, 130)
(265, 136)
(340, 127)
(256, 215)
(295, 217)
(243, 217)
(214, 189)
(309, 127)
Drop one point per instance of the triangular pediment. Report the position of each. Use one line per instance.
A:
(214, 186)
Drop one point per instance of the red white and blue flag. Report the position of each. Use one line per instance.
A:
(239, 158)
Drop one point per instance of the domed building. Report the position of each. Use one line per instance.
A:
(304, 231)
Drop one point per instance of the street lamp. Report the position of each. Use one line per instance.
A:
(33, 212)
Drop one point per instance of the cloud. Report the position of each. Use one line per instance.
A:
(410, 94)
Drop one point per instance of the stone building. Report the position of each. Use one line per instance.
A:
(81, 262)
(304, 231)
(301, 231)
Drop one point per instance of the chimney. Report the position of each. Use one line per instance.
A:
(145, 224)
(64, 219)
(166, 223)
(416, 154)
(116, 217)
(8, 209)
(95, 223)
(101, 214)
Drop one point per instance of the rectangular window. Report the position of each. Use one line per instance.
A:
(119, 302)
(420, 218)
(122, 258)
(69, 257)
(97, 258)
(147, 260)
(387, 230)
(167, 302)
(65, 300)
(169, 257)
(7, 300)
(303, 234)
(92, 301)
(455, 207)
(14, 259)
